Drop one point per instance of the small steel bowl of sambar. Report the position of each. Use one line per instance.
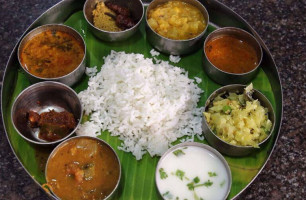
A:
(113, 20)
(46, 113)
(231, 56)
(53, 52)
(83, 167)
(176, 36)
(236, 117)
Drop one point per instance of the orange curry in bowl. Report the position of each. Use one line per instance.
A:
(51, 54)
(231, 54)
(83, 168)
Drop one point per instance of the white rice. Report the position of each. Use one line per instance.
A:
(198, 80)
(91, 71)
(147, 105)
(154, 53)
(174, 59)
(157, 61)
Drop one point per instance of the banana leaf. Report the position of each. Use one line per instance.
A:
(138, 177)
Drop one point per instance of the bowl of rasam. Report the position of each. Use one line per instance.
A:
(231, 55)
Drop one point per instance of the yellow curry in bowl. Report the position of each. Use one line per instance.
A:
(177, 20)
(83, 168)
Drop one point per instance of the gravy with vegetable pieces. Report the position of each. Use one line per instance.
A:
(83, 168)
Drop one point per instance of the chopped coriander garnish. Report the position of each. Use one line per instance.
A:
(196, 180)
(167, 195)
(162, 173)
(178, 152)
(208, 183)
(192, 184)
(212, 174)
(222, 183)
(180, 174)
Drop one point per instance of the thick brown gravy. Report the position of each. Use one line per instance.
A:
(231, 54)
(51, 54)
(83, 168)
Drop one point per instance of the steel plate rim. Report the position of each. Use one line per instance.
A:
(145, 3)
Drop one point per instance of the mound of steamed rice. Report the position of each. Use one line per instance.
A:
(147, 105)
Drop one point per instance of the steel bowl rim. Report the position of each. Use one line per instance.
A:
(200, 145)
(112, 32)
(88, 137)
(239, 30)
(46, 26)
(187, 40)
(217, 91)
(43, 84)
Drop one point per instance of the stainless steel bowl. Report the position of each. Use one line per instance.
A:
(42, 97)
(175, 47)
(196, 144)
(137, 11)
(68, 79)
(223, 77)
(52, 154)
(227, 148)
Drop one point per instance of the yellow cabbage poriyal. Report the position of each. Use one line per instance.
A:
(238, 120)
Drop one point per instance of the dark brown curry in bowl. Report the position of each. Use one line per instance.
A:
(46, 113)
(52, 125)
(83, 168)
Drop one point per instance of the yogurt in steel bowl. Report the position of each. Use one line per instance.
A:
(193, 171)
